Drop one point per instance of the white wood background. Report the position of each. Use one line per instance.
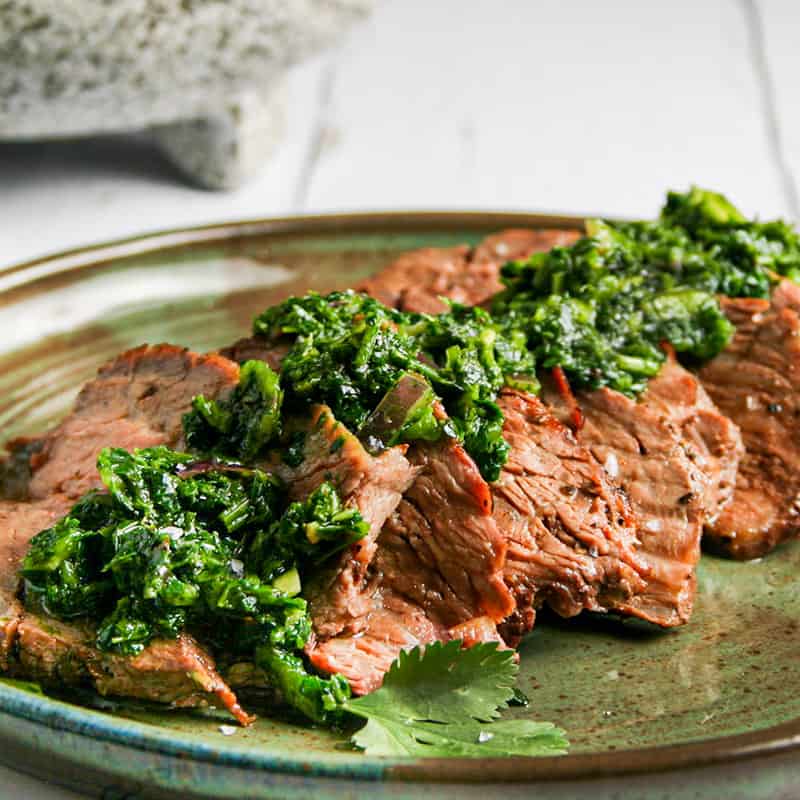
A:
(554, 105)
(562, 105)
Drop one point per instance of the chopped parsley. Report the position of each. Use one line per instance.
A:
(347, 351)
(176, 544)
(355, 354)
(602, 308)
(242, 425)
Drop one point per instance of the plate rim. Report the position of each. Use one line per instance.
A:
(99, 727)
(768, 742)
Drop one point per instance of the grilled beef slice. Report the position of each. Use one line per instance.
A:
(756, 382)
(19, 522)
(417, 281)
(176, 671)
(515, 243)
(256, 348)
(644, 452)
(437, 573)
(571, 535)
(136, 401)
(340, 594)
(712, 440)
(60, 654)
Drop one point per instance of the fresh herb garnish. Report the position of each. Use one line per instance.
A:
(444, 701)
(242, 425)
(382, 372)
(347, 351)
(602, 308)
(179, 545)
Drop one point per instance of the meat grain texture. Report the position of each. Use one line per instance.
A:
(417, 281)
(340, 595)
(437, 574)
(756, 382)
(571, 535)
(672, 456)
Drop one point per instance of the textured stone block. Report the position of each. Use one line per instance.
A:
(204, 74)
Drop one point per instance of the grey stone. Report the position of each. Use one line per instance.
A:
(204, 75)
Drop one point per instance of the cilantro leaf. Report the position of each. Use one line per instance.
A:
(443, 700)
(471, 738)
(444, 683)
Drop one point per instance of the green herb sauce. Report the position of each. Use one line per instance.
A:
(242, 425)
(179, 545)
(350, 352)
(602, 308)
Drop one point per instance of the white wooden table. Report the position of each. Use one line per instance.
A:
(555, 105)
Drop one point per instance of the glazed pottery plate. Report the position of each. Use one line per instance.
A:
(711, 710)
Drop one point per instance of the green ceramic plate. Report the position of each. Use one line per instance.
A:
(712, 710)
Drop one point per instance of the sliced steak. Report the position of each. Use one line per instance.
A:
(437, 574)
(645, 454)
(571, 535)
(418, 280)
(137, 400)
(59, 654)
(446, 519)
(19, 522)
(395, 624)
(256, 348)
(756, 382)
(516, 243)
(340, 594)
(176, 671)
(711, 439)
